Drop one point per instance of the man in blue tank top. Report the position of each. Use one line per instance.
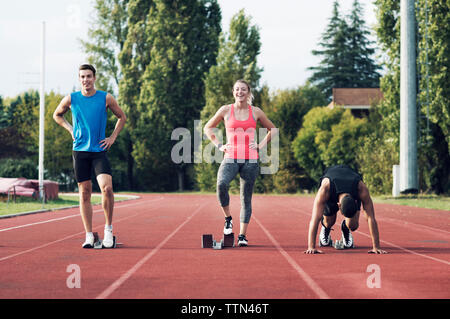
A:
(341, 189)
(89, 115)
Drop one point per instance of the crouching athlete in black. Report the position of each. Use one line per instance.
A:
(341, 188)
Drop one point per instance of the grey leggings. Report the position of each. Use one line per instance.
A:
(227, 172)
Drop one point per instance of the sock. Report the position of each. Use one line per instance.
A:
(89, 236)
(108, 227)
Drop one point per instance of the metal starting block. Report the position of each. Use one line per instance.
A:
(98, 244)
(338, 244)
(218, 245)
(209, 242)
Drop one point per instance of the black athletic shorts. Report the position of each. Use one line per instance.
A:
(84, 163)
(332, 208)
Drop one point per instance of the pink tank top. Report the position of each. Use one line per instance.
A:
(239, 135)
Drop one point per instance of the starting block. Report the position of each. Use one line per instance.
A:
(209, 242)
(338, 244)
(98, 244)
(228, 240)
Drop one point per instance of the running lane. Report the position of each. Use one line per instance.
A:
(161, 255)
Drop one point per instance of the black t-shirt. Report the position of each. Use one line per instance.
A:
(343, 179)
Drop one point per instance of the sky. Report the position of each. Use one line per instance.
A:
(289, 31)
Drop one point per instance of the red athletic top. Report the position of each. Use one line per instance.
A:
(239, 135)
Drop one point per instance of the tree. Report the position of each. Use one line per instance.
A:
(433, 51)
(328, 137)
(133, 58)
(334, 69)
(365, 70)
(346, 53)
(183, 37)
(237, 59)
(433, 61)
(287, 109)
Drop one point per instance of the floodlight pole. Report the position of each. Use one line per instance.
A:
(408, 109)
(42, 116)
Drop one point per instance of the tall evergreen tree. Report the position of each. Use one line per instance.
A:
(361, 50)
(333, 70)
(346, 54)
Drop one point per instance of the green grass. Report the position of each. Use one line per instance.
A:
(23, 204)
(422, 201)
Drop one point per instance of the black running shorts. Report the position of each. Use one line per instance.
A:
(84, 163)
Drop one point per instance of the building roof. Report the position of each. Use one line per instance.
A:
(355, 98)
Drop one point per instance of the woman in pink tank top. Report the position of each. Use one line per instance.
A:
(240, 152)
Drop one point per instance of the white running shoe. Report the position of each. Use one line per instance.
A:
(108, 239)
(228, 228)
(89, 242)
(242, 241)
(347, 237)
(325, 237)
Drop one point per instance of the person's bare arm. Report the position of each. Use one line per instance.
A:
(212, 124)
(266, 123)
(112, 104)
(370, 216)
(58, 115)
(317, 213)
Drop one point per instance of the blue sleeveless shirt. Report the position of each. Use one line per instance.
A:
(89, 121)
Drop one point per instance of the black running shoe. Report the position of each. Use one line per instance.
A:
(347, 237)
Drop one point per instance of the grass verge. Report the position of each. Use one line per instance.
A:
(23, 204)
(422, 201)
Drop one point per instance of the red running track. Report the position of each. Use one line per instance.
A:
(161, 255)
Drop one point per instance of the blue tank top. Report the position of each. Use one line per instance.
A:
(89, 121)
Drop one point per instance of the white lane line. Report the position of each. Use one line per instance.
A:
(58, 240)
(72, 216)
(306, 278)
(70, 236)
(407, 250)
(394, 245)
(115, 285)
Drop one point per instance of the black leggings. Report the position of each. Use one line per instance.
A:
(248, 170)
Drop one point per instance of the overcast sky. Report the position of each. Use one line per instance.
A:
(289, 29)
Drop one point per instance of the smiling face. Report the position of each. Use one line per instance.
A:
(241, 92)
(87, 80)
